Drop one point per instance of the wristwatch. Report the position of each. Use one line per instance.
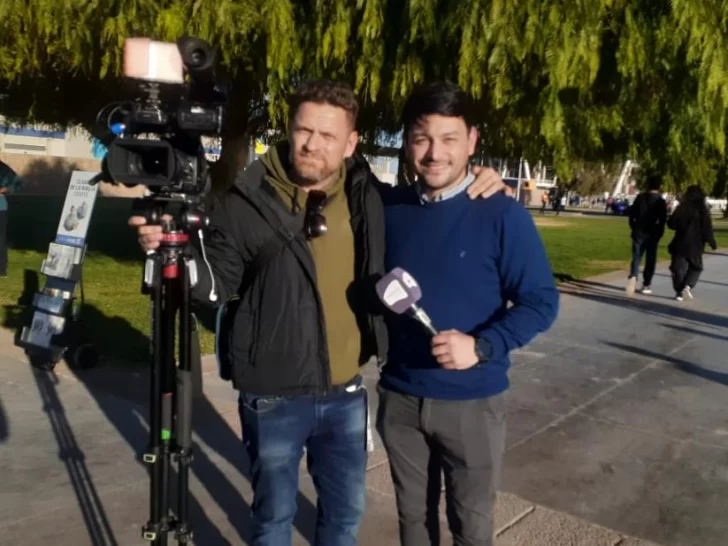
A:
(483, 349)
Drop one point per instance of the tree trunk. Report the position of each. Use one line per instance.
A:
(233, 158)
(236, 140)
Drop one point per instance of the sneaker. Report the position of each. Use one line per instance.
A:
(687, 292)
(679, 296)
(646, 290)
(631, 285)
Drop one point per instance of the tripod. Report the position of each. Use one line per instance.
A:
(169, 273)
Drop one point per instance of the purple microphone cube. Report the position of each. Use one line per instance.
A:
(398, 290)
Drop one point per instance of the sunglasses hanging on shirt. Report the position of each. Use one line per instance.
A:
(314, 222)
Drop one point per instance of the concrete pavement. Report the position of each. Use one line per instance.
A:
(617, 434)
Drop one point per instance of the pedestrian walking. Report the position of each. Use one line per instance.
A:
(693, 230)
(647, 217)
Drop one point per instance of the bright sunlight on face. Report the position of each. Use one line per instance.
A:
(439, 148)
(321, 137)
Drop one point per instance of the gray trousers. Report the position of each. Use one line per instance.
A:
(462, 440)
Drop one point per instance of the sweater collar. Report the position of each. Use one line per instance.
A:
(448, 194)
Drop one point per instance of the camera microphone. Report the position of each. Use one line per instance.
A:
(400, 292)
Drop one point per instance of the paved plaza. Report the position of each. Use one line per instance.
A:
(617, 435)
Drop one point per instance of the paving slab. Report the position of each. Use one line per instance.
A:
(662, 402)
(568, 379)
(547, 527)
(637, 443)
(629, 480)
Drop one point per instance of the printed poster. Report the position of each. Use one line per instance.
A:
(60, 260)
(43, 328)
(76, 215)
(46, 302)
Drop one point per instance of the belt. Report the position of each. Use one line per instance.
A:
(350, 386)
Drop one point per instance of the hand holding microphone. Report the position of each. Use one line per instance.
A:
(400, 292)
(454, 350)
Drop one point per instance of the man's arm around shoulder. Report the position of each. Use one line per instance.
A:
(527, 281)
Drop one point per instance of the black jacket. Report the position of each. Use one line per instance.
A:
(647, 216)
(693, 230)
(276, 340)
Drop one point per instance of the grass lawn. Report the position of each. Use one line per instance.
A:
(117, 314)
(585, 246)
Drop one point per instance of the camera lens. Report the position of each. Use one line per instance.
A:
(197, 57)
(152, 162)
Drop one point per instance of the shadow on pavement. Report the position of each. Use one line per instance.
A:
(694, 331)
(565, 278)
(122, 393)
(94, 514)
(702, 281)
(593, 292)
(682, 365)
(4, 426)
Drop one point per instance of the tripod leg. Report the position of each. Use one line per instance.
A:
(167, 378)
(184, 407)
(155, 529)
(184, 440)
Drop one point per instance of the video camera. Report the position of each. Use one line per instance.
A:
(175, 114)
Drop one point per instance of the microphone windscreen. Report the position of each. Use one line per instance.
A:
(409, 282)
(398, 290)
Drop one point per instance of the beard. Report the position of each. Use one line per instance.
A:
(310, 172)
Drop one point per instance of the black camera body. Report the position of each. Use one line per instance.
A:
(156, 140)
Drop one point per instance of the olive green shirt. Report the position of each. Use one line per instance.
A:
(333, 256)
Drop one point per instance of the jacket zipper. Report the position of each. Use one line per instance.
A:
(366, 262)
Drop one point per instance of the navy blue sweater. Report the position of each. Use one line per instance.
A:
(471, 257)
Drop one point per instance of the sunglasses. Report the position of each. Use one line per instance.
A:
(314, 222)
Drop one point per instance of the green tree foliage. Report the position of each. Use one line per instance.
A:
(562, 81)
(592, 178)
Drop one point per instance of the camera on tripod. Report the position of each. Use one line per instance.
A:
(156, 140)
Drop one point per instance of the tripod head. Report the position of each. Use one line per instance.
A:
(177, 226)
(188, 217)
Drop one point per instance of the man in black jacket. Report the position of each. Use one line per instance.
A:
(647, 218)
(303, 324)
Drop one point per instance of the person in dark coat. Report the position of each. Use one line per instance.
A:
(9, 183)
(647, 217)
(693, 230)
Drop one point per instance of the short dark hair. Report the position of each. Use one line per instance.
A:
(439, 98)
(330, 92)
(654, 181)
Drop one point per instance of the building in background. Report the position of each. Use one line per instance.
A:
(41, 141)
(384, 167)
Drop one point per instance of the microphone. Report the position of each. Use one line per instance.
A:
(400, 292)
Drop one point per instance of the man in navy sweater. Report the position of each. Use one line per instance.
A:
(442, 398)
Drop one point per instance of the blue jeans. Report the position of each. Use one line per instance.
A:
(333, 430)
(647, 248)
